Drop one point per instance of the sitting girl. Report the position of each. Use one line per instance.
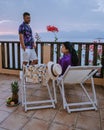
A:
(69, 58)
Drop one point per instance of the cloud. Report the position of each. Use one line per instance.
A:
(5, 21)
(81, 26)
(63, 1)
(67, 15)
(7, 33)
(100, 6)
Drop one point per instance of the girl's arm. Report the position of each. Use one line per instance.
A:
(64, 64)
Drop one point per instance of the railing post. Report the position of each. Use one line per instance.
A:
(13, 55)
(3, 55)
(36, 48)
(102, 62)
(51, 52)
(87, 55)
(47, 53)
(0, 58)
(19, 56)
(8, 56)
(58, 51)
(79, 53)
(95, 54)
(42, 51)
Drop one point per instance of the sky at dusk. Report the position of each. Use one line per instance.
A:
(74, 18)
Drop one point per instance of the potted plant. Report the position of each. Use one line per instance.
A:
(13, 101)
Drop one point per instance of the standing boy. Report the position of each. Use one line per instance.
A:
(27, 41)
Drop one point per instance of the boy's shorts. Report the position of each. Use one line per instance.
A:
(29, 55)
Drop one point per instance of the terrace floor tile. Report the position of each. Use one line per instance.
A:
(14, 122)
(35, 124)
(64, 118)
(88, 123)
(15, 118)
(45, 114)
(55, 126)
(3, 115)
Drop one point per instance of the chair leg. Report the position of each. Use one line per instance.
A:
(54, 91)
(50, 95)
(61, 91)
(64, 102)
(88, 96)
(63, 96)
(24, 93)
(93, 89)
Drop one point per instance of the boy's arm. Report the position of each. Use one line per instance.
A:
(22, 41)
(34, 44)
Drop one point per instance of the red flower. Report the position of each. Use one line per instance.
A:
(52, 28)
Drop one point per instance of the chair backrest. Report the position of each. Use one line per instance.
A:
(78, 73)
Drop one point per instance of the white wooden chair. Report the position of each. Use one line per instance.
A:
(40, 71)
(78, 75)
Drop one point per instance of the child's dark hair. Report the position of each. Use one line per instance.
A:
(26, 14)
(72, 51)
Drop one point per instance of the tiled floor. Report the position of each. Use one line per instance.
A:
(49, 119)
